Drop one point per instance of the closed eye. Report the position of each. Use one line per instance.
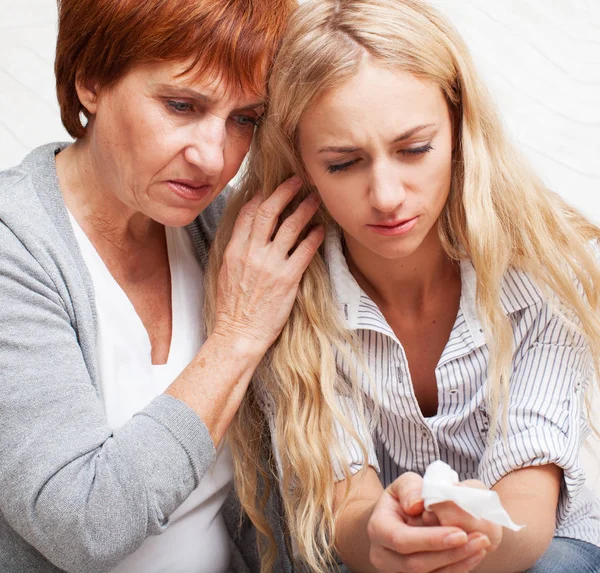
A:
(246, 120)
(335, 168)
(417, 150)
(180, 106)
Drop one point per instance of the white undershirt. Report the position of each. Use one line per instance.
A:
(196, 540)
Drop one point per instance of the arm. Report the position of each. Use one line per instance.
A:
(83, 496)
(543, 439)
(376, 533)
(258, 279)
(530, 497)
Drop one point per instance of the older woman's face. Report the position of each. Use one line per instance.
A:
(165, 144)
(379, 150)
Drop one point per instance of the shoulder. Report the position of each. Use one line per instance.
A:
(518, 289)
(39, 250)
(32, 186)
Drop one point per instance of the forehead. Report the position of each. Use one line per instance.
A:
(182, 79)
(375, 101)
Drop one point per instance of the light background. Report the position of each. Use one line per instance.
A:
(541, 61)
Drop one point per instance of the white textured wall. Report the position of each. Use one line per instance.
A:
(541, 60)
(29, 113)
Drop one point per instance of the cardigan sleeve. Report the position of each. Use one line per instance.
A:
(80, 494)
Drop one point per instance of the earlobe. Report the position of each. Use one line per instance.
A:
(88, 95)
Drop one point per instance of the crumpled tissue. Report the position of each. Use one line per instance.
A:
(440, 484)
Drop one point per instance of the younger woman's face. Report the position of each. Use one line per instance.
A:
(379, 150)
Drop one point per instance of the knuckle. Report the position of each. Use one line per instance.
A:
(247, 210)
(291, 227)
(267, 211)
(304, 249)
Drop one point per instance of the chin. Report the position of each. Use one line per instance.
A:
(394, 250)
(175, 217)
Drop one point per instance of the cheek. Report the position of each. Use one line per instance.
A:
(235, 151)
(437, 178)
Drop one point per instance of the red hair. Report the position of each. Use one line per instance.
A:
(100, 40)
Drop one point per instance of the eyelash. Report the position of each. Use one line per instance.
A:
(406, 152)
(182, 107)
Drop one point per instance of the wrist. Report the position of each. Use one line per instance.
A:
(233, 346)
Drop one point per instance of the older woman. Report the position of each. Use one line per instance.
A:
(113, 402)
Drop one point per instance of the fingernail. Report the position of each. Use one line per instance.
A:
(295, 181)
(472, 561)
(455, 539)
(478, 542)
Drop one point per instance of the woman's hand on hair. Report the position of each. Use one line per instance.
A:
(260, 274)
(404, 538)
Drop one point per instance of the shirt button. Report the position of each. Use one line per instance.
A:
(425, 434)
(453, 391)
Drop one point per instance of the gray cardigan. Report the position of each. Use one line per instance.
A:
(75, 496)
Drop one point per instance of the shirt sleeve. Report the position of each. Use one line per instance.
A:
(546, 422)
(349, 446)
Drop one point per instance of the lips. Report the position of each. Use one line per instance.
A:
(394, 227)
(190, 189)
(393, 224)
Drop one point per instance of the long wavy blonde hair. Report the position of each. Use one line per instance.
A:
(498, 214)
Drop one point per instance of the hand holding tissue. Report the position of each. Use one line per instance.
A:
(440, 484)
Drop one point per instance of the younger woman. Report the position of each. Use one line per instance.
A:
(454, 310)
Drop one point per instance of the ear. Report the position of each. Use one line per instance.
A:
(87, 93)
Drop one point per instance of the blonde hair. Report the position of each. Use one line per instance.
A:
(498, 214)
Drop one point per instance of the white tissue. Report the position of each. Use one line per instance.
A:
(439, 485)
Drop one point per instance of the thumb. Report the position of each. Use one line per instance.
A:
(407, 491)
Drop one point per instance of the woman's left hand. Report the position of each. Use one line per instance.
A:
(449, 514)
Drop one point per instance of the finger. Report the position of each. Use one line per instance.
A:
(290, 229)
(448, 513)
(245, 219)
(430, 519)
(271, 208)
(305, 251)
(408, 540)
(465, 565)
(407, 490)
(447, 561)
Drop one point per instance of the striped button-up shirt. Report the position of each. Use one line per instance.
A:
(546, 421)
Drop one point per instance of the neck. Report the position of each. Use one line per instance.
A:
(93, 199)
(407, 284)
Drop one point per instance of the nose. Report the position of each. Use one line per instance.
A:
(387, 191)
(206, 148)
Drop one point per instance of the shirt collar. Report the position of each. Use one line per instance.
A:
(346, 289)
(518, 289)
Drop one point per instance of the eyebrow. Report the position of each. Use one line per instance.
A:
(199, 96)
(402, 137)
